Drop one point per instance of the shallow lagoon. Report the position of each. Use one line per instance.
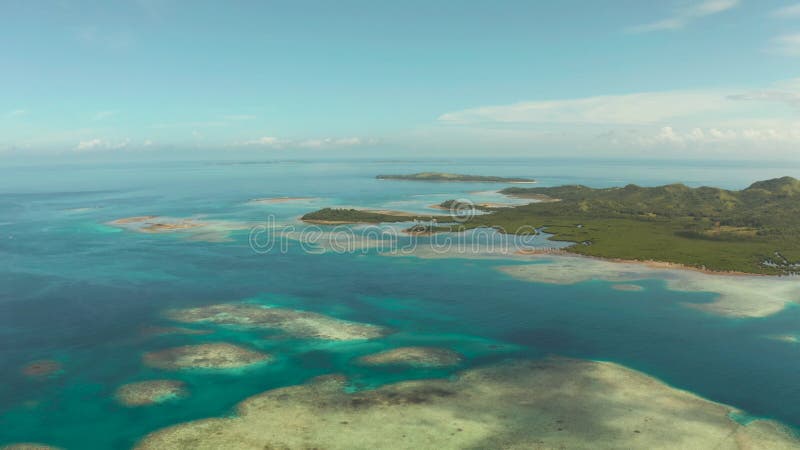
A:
(81, 293)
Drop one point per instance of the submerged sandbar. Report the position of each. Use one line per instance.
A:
(42, 368)
(551, 403)
(165, 331)
(627, 287)
(150, 392)
(197, 229)
(303, 324)
(413, 356)
(219, 355)
(735, 295)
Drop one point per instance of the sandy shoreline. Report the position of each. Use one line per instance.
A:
(652, 264)
(734, 295)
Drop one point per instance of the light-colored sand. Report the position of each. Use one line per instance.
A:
(219, 355)
(134, 219)
(42, 368)
(413, 356)
(438, 206)
(158, 227)
(345, 240)
(481, 243)
(741, 296)
(193, 228)
(484, 205)
(549, 404)
(83, 209)
(788, 338)
(150, 392)
(304, 324)
(627, 287)
(498, 204)
(736, 296)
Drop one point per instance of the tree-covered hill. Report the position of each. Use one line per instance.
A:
(754, 230)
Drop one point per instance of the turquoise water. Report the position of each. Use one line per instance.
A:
(78, 291)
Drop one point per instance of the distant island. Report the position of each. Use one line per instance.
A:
(439, 176)
(334, 216)
(754, 230)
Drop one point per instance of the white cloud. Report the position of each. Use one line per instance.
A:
(629, 109)
(16, 113)
(331, 142)
(89, 145)
(670, 137)
(684, 16)
(101, 144)
(789, 98)
(787, 12)
(316, 143)
(738, 120)
(266, 141)
(103, 115)
(788, 45)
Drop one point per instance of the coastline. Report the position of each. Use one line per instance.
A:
(381, 212)
(649, 263)
(652, 264)
(327, 222)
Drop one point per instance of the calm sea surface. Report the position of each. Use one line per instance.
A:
(78, 291)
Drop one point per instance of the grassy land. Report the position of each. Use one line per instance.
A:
(755, 230)
(344, 216)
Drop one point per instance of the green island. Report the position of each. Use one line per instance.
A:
(439, 176)
(349, 215)
(755, 230)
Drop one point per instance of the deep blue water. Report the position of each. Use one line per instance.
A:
(78, 291)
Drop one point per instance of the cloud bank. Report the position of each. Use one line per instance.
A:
(314, 143)
(728, 120)
(686, 15)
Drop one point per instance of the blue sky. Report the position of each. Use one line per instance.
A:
(718, 78)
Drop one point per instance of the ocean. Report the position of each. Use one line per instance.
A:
(82, 292)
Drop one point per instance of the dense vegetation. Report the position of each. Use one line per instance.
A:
(438, 176)
(755, 230)
(341, 215)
